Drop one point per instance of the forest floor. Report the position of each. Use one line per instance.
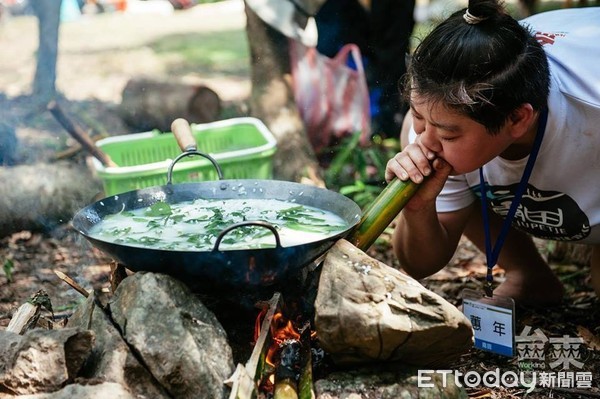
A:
(98, 54)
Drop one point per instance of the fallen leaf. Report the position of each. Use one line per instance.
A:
(591, 341)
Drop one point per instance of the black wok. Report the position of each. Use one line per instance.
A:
(240, 269)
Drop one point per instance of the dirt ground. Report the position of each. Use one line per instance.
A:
(98, 54)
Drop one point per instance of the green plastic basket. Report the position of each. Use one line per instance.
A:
(243, 147)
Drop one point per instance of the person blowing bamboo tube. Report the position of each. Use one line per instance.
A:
(505, 118)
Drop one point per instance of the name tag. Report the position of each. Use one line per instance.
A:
(493, 321)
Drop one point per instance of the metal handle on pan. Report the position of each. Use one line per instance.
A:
(183, 134)
(259, 223)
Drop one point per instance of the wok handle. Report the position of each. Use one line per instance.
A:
(190, 153)
(185, 139)
(259, 223)
(183, 134)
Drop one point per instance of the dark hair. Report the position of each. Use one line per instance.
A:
(484, 68)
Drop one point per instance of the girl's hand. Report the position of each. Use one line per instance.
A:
(413, 162)
(421, 166)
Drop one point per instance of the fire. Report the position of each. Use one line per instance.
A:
(285, 350)
(282, 330)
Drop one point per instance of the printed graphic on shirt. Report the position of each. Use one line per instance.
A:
(550, 215)
(548, 38)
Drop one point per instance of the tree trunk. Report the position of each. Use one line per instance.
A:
(42, 196)
(272, 101)
(149, 104)
(48, 15)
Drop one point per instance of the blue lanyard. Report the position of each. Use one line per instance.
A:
(492, 255)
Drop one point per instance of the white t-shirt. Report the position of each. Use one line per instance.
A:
(562, 200)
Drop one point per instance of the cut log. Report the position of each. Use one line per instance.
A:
(148, 104)
(40, 197)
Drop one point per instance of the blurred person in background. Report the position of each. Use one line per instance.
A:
(382, 30)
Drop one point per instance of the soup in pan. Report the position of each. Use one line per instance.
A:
(195, 225)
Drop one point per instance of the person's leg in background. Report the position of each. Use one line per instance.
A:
(391, 24)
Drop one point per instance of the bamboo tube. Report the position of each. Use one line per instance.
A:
(285, 389)
(305, 383)
(380, 213)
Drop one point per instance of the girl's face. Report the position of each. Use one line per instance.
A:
(459, 140)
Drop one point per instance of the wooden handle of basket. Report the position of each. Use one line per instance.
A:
(183, 134)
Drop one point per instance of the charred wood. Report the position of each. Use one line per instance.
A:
(287, 371)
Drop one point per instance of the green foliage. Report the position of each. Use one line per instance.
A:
(8, 268)
(359, 172)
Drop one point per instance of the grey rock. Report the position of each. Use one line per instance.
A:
(178, 339)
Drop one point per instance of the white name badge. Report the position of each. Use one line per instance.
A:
(493, 321)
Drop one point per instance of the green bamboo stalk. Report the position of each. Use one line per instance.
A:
(305, 382)
(380, 213)
(285, 389)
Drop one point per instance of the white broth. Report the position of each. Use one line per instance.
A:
(195, 225)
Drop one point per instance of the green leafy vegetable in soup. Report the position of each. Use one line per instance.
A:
(195, 225)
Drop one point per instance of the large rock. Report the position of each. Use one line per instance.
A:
(111, 359)
(104, 390)
(178, 339)
(42, 360)
(367, 311)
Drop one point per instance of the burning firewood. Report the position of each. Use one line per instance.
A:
(287, 371)
(280, 365)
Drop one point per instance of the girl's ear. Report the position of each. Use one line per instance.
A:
(521, 120)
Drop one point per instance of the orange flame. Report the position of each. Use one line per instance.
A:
(282, 329)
